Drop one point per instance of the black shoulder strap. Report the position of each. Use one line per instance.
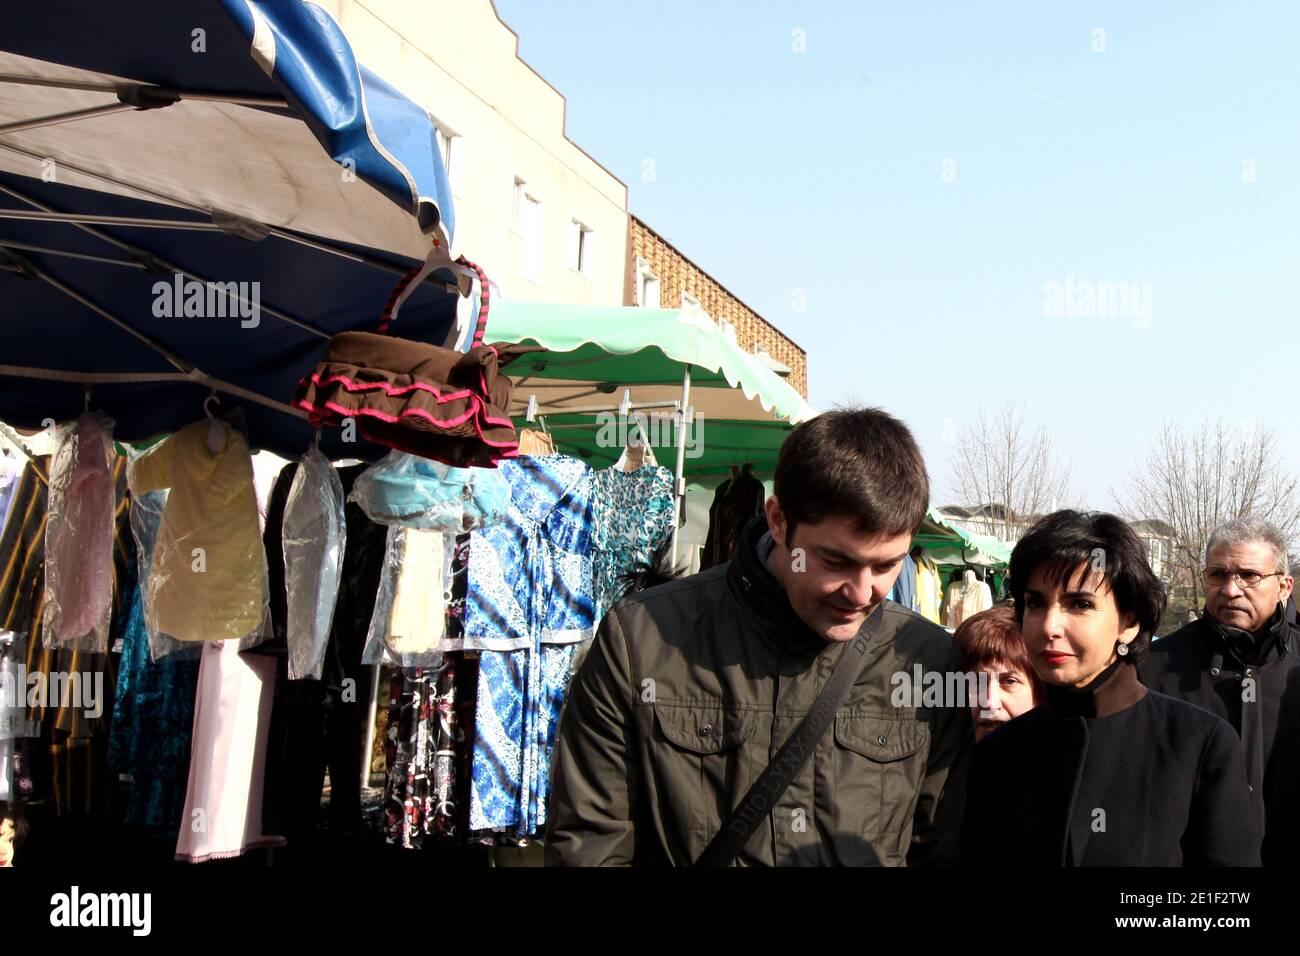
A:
(794, 753)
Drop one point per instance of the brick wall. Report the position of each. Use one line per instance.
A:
(677, 274)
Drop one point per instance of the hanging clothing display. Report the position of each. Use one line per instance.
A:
(520, 698)
(222, 816)
(79, 536)
(965, 598)
(430, 727)
(318, 726)
(535, 443)
(530, 602)
(153, 717)
(633, 515)
(735, 503)
(530, 575)
(208, 580)
(411, 492)
(904, 590)
(11, 466)
(73, 700)
(409, 619)
(313, 538)
(929, 587)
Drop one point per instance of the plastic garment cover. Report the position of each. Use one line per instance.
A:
(13, 688)
(413, 492)
(208, 578)
(409, 620)
(146, 518)
(313, 537)
(79, 536)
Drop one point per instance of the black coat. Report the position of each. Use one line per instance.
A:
(1114, 775)
(1208, 665)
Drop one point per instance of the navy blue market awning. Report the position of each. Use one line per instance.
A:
(225, 141)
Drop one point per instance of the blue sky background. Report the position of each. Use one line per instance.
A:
(823, 171)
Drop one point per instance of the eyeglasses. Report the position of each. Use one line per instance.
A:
(1219, 577)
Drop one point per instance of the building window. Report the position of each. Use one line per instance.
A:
(728, 329)
(450, 146)
(531, 228)
(582, 248)
(689, 301)
(647, 286)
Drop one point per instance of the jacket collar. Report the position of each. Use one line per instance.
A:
(1276, 637)
(756, 588)
(1115, 689)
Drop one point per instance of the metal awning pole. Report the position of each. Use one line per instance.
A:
(679, 485)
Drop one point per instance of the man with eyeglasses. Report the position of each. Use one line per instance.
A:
(1241, 660)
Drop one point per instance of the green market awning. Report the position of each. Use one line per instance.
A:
(950, 544)
(595, 358)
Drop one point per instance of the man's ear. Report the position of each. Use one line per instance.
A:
(775, 520)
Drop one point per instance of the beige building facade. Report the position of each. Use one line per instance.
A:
(546, 221)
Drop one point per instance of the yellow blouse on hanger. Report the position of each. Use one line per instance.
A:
(208, 577)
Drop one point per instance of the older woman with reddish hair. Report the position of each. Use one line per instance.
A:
(991, 647)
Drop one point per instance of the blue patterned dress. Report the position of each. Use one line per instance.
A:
(632, 517)
(528, 607)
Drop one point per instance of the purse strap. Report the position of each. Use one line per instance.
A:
(408, 283)
(794, 754)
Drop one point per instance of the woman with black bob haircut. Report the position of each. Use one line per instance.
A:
(1105, 772)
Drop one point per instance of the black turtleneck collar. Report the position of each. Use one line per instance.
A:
(756, 587)
(1254, 647)
(1114, 689)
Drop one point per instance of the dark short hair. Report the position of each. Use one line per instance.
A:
(14, 812)
(859, 463)
(992, 639)
(1062, 541)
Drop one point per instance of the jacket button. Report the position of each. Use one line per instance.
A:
(706, 730)
(882, 740)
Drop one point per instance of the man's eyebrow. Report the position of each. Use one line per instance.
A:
(830, 552)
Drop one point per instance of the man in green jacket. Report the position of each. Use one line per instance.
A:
(690, 689)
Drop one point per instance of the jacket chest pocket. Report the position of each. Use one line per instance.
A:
(879, 765)
(702, 760)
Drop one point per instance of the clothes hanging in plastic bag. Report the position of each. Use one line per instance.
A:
(146, 519)
(208, 580)
(409, 620)
(414, 492)
(79, 536)
(313, 539)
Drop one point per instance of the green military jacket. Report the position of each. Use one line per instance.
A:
(688, 691)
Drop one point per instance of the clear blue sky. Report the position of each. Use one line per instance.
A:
(824, 171)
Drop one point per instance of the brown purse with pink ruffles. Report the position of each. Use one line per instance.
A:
(427, 400)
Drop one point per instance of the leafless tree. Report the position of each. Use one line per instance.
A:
(1196, 480)
(1015, 473)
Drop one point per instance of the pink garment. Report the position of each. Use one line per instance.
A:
(79, 537)
(232, 714)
